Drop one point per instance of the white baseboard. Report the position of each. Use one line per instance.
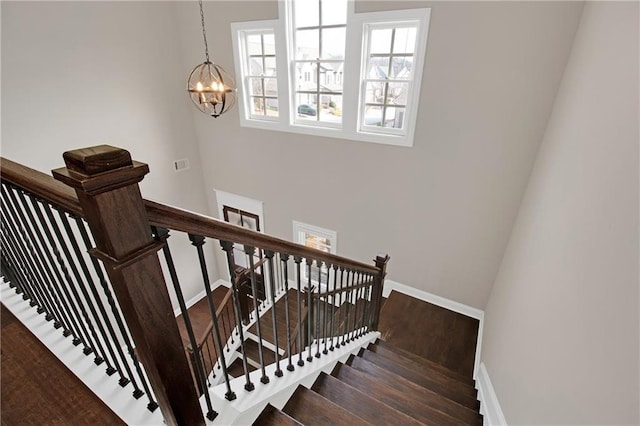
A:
(432, 298)
(195, 299)
(489, 407)
(444, 303)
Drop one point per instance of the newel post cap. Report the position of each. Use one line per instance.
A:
(100, 169)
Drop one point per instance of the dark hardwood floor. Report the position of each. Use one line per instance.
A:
(37, 389)
(437, 334)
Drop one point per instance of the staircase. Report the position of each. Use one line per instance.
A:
(385, 384)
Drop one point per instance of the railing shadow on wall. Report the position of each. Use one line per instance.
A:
(117, 296)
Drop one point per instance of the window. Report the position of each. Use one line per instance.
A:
(319, 38)
(255, 48)
(328, 71)
(317, 238)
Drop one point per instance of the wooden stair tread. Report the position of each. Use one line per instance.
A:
(384, 348)
(236, 369)
(430, 379)
(411, 404)
(272, 416)
(309, 408)
(358, 403)
(253, 352)
(381, 377)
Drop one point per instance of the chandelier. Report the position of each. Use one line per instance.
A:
(210, 87)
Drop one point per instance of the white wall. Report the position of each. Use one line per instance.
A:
(77, 74)
(443, 209)
(561, 326)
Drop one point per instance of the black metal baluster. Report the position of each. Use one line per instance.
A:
(18, 274)
(70, 289)
(112, 339)
(318, 310)
(326, 312)
(333, 307)
(347, 327)
(52, 294)
(284, 258)
(63, 292)
(341, 309)
(227, 247)
(198, 242)
(9, 254)
(298, 261)
(356, 318)
(162, 234)
(92, 337)
(354, 311)
(137, 393)
(309, 308)
(364, 308)
(48, 302)
(83, 289)
(269, 255)
(14, 269)
(249, 251)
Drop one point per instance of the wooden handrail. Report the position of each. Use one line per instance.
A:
(41, 185)
(57, 193)
(194, 223)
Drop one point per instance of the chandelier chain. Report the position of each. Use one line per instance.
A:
(204, 32)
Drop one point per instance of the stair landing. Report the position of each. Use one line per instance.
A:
(429, 331)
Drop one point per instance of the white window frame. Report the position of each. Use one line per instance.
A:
(354, 69)
(300, 229)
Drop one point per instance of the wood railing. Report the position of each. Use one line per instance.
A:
(127, 231)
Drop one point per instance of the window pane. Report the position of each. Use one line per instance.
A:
(331, 109)
(255, 66)
(374, 93)
(257, 106)
(401, 68)
(378, 68)
(380, 41)
(334, 12)
(270, 66)
(306, 76)
(329, 73)
(271, 87)
(256, 86)
(269, 44)
(307, 44)
(306, 106)
(271, 106)
(333, 42)
(405, 40)
(306, 13)
(372, 116)
(397, 93)
(254, 44)
(394, 117)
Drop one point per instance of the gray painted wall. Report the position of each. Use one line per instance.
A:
(561, 326)
(77, 74)
(442, 210)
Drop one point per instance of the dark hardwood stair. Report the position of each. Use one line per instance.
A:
(272, 416)
(402, 380)
(309, 408)
(376, 389)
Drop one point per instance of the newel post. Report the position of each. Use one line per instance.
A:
(106, 182)
(381, 262)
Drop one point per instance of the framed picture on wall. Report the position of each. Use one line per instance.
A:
(241, 218)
